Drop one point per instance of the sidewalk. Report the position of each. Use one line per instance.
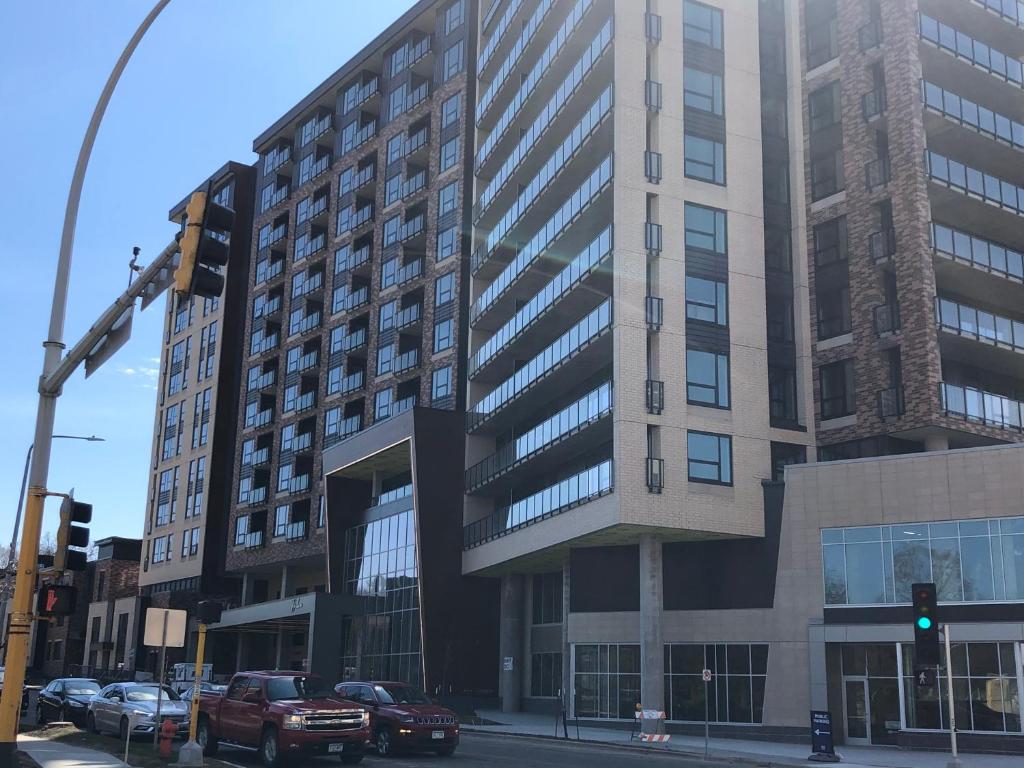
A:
(760, 752)
(53, 754)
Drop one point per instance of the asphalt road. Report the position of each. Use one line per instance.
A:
(478, 750)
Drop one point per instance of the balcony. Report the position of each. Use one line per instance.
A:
(305, 401)
(981, 407)
(652, 166)
(652, 95)
(257, 495)
(359, 93)
(272, 236)
(655, 474)
(970, 114)
(585, 486)
(873, 104)
(299, 484)
(393, 495)
(655, 312)
(355, 134)
(276, 158)
(963, 46)
(970, 181)
(405, 361)
(980, 325)
(886, 320)
(253, 540)
(301, 442)
(652, 238)
(409, 316)
(977, 252)
(259, 457)
(354, 340)
(882, 245)
(870, 35)
(652, 27)
(264, 380)
(306, 324)
(261, 419)
(409, 271)
(655, 396)
(344, 429)
(876, 173)
(890, 403)
(417, 141)
(309, 360)
(414, 183)
(413, 227)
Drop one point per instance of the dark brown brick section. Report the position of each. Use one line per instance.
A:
(907, 191)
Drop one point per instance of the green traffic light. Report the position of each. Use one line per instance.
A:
(924, 622)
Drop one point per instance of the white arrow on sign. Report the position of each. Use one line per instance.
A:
(818, 732)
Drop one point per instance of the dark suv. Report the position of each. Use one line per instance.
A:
(402, 717)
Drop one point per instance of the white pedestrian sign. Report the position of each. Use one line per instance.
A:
(706, 675)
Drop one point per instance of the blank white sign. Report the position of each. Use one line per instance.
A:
(176, 621)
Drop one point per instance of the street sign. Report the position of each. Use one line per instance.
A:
(821, 733)
(706, 675)
(508, 664)
(171, 635)
(925, 677)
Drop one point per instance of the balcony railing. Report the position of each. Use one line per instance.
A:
(417, 141)
(655, 474)
(263, 381)
(259, 457)
(876, 173)
(408, 316)
(873, 103)
(979, 324)
(301, 442)
(982, 407)
(979, 253)
(585, 486)
(655, 312)
(568, 421)
(870, 35)
(882, 245)
(652, 95)
(886, 319)
(414, 183)
(357, 137)
(254, 540)
(354, 340)
(305, 402)
(345, 429)
(655, 396)
(965, 47)
(968, 113)
(402, 492)
(652, 166)
(406, 361)
(257, 495)
(412, 227)
(652, 238)
(409, 271)
(357, 95)
(262, 418)
(890, 403)
(298, 484)
(971, 181)
(296, 531)
(352, 382)
(309, 360)
(652, 27)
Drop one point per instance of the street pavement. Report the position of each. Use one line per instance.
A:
(53, 754)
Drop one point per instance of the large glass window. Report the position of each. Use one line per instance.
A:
(837, 389)
(834, 317)
(607, 681)
(703, 159)
(545, 675)
(707, 378)
(705, 228)
(709, 458)
(449, 154)
(822, 32)
(830, 241)
(547, 598)
(827, 176)
(967, 560)
(824, 106)
(736, 691)
(707, 300)
(702, 24)
(702, 90)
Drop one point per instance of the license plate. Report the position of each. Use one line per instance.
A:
(437, 735)
(335, 747)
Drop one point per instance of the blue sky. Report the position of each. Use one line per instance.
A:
(162, 135)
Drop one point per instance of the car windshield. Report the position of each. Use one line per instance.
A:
(149, 693)
(298, 687)
(79, 688)
(400, 694)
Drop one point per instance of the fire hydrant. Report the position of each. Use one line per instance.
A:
(168, 731)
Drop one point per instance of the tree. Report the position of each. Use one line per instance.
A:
(47, 544)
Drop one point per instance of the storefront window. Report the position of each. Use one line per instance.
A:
(736, 693)
(607, 681)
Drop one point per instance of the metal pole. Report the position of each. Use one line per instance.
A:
(193, 718)
(12, 556)
(160, 681)
(955, 762)
(706, 727)
(16, 658)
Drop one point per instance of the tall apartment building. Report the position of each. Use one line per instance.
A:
(194, 432)
(914, 139)
(355, 317)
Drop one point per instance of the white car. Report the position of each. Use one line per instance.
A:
(117, 707)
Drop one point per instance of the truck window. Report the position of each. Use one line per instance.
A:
(237, 688)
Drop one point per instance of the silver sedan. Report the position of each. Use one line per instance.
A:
(123, 706)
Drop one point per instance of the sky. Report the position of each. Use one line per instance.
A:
(208, 77)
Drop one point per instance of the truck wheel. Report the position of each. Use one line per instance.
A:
(206, 739)
(351, 759)
(383, 742)
(269, 748)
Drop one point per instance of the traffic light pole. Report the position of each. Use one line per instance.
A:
(955, 762)
(49, 389)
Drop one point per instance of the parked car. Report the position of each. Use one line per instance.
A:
(403, 718)
(204, 687)
(114, 707)
(284, 715)
(67, 699)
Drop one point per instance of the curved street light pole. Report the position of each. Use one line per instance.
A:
(21, 610)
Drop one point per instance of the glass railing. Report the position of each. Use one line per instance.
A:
(275, 158)
(354, 340)
(298, 484)
(551, 357)
(413, 227)
(554, 165)
(357, 94)
(402, 492)
(257, 495)
(417, 141)
(296, 531)
(965, 47)
(980, 406)
(343, 429)
(977, 252)
(253, 540)
(408, 316)
(259, 456)
(546, 117)
(352, 382)
(979, 324)
(571, 419)
(414, 183)
(301, 442)
(1011, 10)
(500, 29)
(537, 245)
(405, 361)
(346, 299)
(536, 74)
(971, 181)
(350, 259)
(585, 486)
(409, 271)
(564, 282)
(352, 137)
(271, 236)
(514, 55)
(972, 115)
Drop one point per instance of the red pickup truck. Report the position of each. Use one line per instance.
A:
(284, 715)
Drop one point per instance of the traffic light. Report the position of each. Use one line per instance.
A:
(204, 247)
(70, 535)
(926, 626)
(56, 600)
(209, 611)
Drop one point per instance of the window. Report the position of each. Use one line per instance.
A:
(382, 404)
(837, 392)
(396, 148)
(822, 32)
(833, 313)
(707, 378)
(606, 681)
(703, 159)
(781, 393)
(396, 100)
(705, 228)
(176, 382)
(447, 243)
(448, 199)
(452, 63)
(173, 431)
(779, 313)
(450, 110)
(454, 16)
(449, 154)
(443, 335)
(824, 106)
(702, 24)
(391, 229)
(281, 520)
(547, 598)
(706, 300)
(159, 549)
(291, 394)
(444, 289)
(827, 176)
(393, 190)
(830, 241)
(385, 355)
(241, 529)
(545, 675)
(702, 90)
(709, 458)
(386, 315)
(441, 384)
(736, 693)
(284, 478)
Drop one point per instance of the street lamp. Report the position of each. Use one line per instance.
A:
(24, 480)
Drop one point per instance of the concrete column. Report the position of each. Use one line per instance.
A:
(567, 678)
(284, 581)
(246, 589)
(652, 651)
(322, 639)
(240, 654)
(936, 443)
(510, 641)
(817, 666)
(281, 660)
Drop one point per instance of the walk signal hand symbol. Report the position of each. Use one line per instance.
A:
(51, 600)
